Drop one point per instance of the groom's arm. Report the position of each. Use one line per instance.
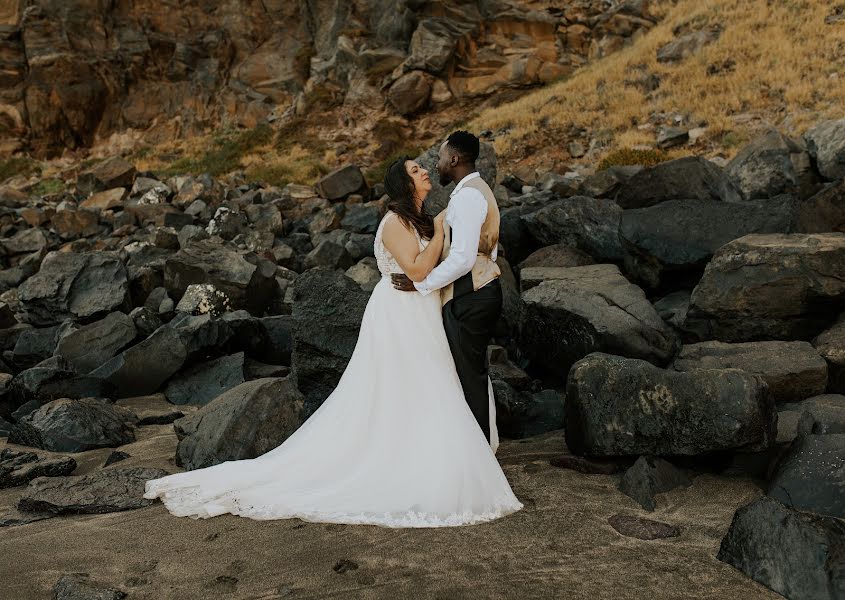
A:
(467, 215)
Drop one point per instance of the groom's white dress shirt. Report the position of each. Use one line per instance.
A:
(465, 215)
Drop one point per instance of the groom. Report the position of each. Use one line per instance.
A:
(468, 274)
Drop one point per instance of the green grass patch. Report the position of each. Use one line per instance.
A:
(18, 165)
(630, 156)
(46, 187)
(228, 148)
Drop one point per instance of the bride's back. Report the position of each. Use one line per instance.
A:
(387, 264)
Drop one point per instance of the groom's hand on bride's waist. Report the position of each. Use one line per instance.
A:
(402, 282)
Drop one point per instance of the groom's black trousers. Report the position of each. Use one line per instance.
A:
(470, 319)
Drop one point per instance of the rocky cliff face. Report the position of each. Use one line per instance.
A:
(73, 72)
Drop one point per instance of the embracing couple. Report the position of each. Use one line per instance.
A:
(408, 436)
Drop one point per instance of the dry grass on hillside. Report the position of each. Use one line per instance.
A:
(785, 68)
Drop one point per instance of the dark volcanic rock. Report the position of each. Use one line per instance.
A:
(642, 529)
(830, 344)
(825, 211)
(53, 379)
(327, 312)
(112, 173)
(19, 468)
(330, 255)
(68, 425)
(105, 491)
(361, 219)
(204, 382)
(589, 309)
(770, 286)
(770, 165)
(244, 422)
(557, 255)
(77, 286)
(826, 144)
(669, 244)
(91, 345)
(692, 177)
(588, 224)
(649, 476)
(811, 476)
(246, 279)
(792, 370)
(521, 414)
(340, 183)
(622, 407)
(799, 555)
(141, 369)
(827, 413)
(78, 587)
(36, 344)
(280, 331)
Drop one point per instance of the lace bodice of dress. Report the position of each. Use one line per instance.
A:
(386, 263)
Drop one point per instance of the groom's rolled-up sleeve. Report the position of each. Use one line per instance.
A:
(466, 217)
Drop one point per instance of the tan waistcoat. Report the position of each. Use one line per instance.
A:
(485, 269)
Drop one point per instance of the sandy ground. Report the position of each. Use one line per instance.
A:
(559, 546)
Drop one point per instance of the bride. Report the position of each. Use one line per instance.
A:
(395, 444)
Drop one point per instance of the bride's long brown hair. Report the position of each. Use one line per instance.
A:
(400, 187)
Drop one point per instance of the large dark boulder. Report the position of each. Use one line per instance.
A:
(327, 312)
(770, 286)
(75, 285)
(521, 413)
(792, 370)
(54, 378)
(588, 224)
(618, 406)
(811, 476)
(823, 212)
(205, 381)
(825, 414)
(68, 425)
(589, 309)
(91, 345)
(830, 344)
(668, 245)
(244, 422)
(799, 555)
(108, 490)
(770, 165)
(557, 255)
(692, 177)
(826, 144)
(246, 279)
(340, 183)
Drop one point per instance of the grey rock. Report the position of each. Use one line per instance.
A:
(19, 468)
(77, 586)
(77, 286)
(204, 382)
(361, 219)
(693, 178)
(587, 309)
(770, 286)
(798, 555)
(410, 93)
(607, 182)
(687, 45)
(327, 312)
(811, 476)
(588, 224)
(329, 255)
(827, 413)
(826, 145)
(650, 476)
(830, 344)
(340, 183)
(770, 165)
(522, 414)
(618, 406)
(244, 422)
(793, 370)
(669, 244)
(91, 345)
(557, 255)
(365, 273)
(109, 490)
(75, 425)
(823, 212)
(204, 298)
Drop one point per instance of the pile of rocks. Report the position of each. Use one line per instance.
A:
(680, 315)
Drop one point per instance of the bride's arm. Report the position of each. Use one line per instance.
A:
(402, 244)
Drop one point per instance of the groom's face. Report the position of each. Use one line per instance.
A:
(444, 164)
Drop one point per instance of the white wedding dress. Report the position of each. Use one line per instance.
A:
(395, 444)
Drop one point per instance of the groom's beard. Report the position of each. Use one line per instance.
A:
(444, 180)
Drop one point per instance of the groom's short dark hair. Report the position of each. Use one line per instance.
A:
(465, 144)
